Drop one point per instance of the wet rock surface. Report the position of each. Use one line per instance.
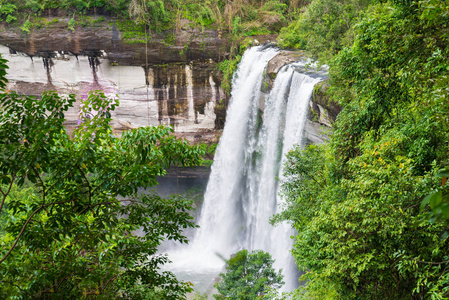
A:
(281, 59)
(324, 109)
(171, 80)
(166, 87)
(315, 133)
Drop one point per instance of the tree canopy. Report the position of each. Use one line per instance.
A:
(77, 218)
(248, 276)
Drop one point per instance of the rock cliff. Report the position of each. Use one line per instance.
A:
(171, 80)
(323, 111)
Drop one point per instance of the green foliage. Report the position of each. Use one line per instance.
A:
(72, 23)
(199, 296)
(371, 206)
(3, 68)
(438, 202)
(351, 226)
(132, 33)
(228, 68)
(324, 28)
(207, 163)
(149, 13)
(26, 27)
(200, 13)
(164, 14)
(248, 276)
(212, 148)
(76, 221)
(8, 10)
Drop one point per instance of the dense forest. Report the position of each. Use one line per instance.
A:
(370, 207)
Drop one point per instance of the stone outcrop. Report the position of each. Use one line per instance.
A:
(322, 114)
(323, 111)
(281, 59)
(173, 80)
(276, 63)
(315, 133)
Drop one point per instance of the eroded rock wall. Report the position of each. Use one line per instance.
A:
(162, 83)
(322, 111)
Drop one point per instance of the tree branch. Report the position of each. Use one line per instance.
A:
(106, 203)
(88, 184)
(107, 282)
(43, 185)
(13, 284)
(432, 263)
(59, 284)
(25, 225)
(7, 192)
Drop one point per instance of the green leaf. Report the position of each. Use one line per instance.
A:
(425, 201)
(443, 173)
(435, 199)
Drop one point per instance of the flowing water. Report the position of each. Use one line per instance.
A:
(242, 192)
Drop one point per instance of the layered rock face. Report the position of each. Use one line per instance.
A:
(323, 111)
(160, 83)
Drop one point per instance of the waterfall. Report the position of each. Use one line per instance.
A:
(242, 192)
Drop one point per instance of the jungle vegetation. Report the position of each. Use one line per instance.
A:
(371, 206)
(249, 275)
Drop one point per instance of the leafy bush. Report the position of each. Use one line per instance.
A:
(72, 23)
(324, 28)
(26, 27)
(248, 276)
(9, 11)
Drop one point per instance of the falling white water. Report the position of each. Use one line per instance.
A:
(241, 195)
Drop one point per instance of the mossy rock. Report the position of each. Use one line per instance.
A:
(322, 98)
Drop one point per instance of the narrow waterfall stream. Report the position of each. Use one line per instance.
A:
(242, 192)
